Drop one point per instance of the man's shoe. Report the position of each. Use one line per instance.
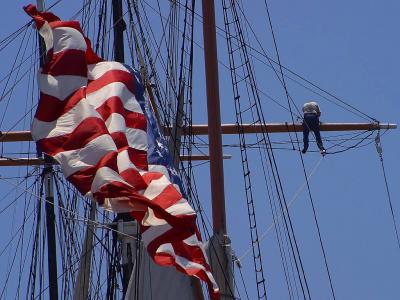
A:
(323, 152)
(304, 151)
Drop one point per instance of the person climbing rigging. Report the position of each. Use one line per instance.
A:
(311, 122)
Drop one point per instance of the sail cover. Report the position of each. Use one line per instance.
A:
(91, 118)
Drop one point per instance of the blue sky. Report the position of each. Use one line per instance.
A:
(351, 49)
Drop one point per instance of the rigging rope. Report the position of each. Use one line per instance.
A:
(295, 196)
(71, 212)
(237, 262)
(257, 257)
(16, 75)
(301, 157)
(380, 154)
(257, 114)
(70, 267)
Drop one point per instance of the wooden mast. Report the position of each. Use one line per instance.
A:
(220, 253)
(214, 117)
(47, 180)
(119, 27)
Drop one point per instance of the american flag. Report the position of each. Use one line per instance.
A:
(93, 118)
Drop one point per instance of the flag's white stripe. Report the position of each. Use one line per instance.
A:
(177, 188)
(182, 261)
(64, 124)
(60, 86)
(160, 169)
(95, 71)
(119, 205)
(47, 33)
(154, 232)
(115, 122)
(166, 248)
(151, 220)
(192, 240)
(105, 175)
(124, 163)
(163, 170)
(115, 89)
(75, 160)
(185, 263)
(181, 207)
(67, 38)
(153, 169)
(137, 138)
(155, 187)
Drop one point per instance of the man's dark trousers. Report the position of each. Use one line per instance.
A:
(311, 122)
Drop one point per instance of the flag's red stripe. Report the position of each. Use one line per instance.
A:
(40, 17)
(72, 24)
(168, 197)
(83, 179)
(110, 77)
(166, 259)
(175, 234)
(150, 176)
(109, 160)
(67, 62)
(119, 139)
(115, 105)
(51, 108)
(116, 189)
(182, 225)
(86, 131)
(193, 253)
(133, 178)
(138, 158)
